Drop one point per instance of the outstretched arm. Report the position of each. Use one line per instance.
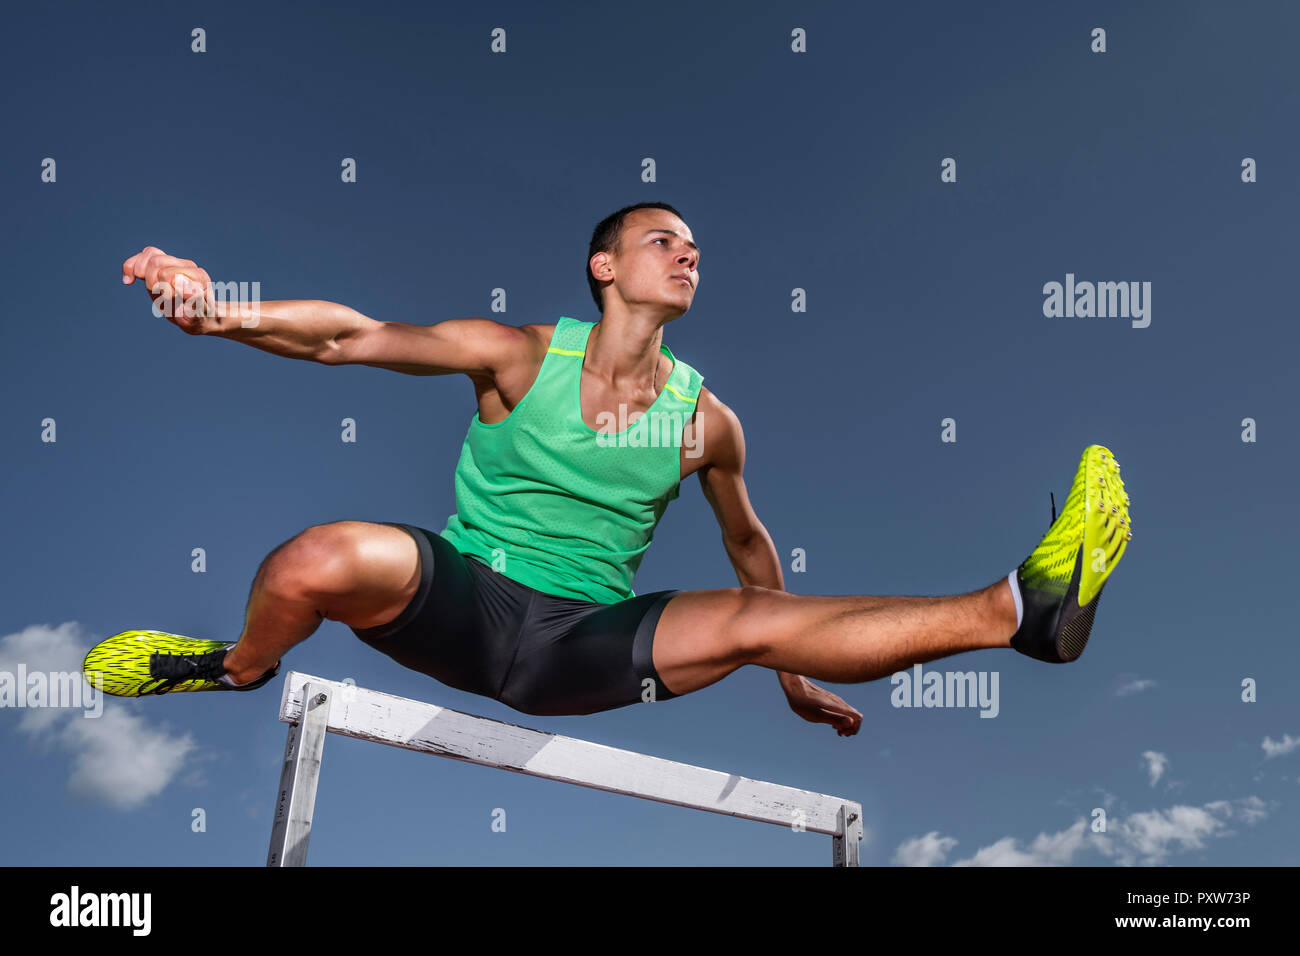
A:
(324, 332)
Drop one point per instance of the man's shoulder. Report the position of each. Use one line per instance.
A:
(544, 335)
(719, 430)
(535, 339)
(540, 332)
(709, 403)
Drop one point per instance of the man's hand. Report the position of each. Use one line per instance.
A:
(820, 706)
(181, 290)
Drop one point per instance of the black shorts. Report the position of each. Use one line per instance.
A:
(479, 631)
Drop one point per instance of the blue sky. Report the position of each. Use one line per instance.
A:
(817, 171)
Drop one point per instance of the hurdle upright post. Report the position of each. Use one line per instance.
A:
(314, 706)
(299, 776)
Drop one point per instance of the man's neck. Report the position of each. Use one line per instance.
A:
(624, 352)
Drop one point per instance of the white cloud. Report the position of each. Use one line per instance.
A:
(1047, 849)
(1281, 747)
(1134, 687)
(1145, 839)
(928, 850)
(1156, 763)
(1252, 809)
(1152, 835)
(118, 757)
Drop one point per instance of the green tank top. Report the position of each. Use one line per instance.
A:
(559, 507)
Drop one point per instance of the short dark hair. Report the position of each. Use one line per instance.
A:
(608, 237)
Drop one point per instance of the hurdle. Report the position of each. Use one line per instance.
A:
(314, 706)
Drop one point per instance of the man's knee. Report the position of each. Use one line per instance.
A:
(750, 632)
(320, 562)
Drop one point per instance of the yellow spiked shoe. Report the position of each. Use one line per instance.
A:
(145, 663)
(1061, 582)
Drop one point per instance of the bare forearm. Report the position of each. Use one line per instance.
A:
(309, 329)
(758, 565)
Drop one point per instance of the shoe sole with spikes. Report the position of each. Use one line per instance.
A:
(1062, 580)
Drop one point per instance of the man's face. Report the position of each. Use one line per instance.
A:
(657, 262)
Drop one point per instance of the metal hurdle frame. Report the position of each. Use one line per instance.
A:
(314, 706)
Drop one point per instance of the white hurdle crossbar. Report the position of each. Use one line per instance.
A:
(313, 706)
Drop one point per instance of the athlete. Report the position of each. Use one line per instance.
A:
(582, 435)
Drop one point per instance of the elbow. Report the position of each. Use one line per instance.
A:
(740, 543)
(331, 352)
(353, 342)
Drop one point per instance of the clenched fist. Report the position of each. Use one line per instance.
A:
(181, 291)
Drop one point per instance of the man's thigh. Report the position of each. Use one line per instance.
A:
(701, 636)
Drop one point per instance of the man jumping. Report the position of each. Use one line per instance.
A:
(583, 433)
